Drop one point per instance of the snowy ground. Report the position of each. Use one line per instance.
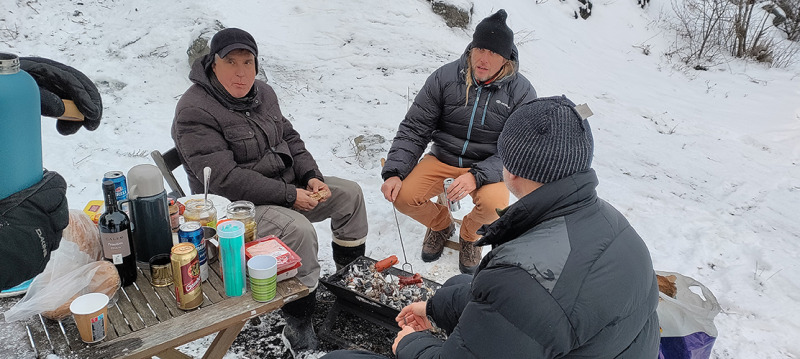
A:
(703, 163)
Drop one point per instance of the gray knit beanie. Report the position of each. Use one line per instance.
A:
(546, 140)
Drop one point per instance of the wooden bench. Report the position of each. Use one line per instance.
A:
(146, 321)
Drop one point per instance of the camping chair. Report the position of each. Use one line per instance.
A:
(167, 163)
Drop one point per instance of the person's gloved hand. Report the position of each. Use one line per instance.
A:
(58, 81)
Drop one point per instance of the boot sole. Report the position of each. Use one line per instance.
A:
(430, 257)
(467, 270)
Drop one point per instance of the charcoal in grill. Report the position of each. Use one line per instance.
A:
(380, 292)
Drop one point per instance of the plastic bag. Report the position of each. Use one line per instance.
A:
(687, 321)
(83, 232)
(69, 274)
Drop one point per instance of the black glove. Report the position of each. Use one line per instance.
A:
(58, 81)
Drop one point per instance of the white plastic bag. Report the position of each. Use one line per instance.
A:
(69, 274)
(687, 321)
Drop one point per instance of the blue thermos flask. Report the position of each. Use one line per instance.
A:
(20, 128)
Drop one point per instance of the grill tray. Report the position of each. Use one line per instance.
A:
(334, 283)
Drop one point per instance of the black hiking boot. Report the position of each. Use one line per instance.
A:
(342, 256)
(298, 334)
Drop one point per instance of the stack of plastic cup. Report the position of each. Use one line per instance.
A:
(232, 261)
(263, 271)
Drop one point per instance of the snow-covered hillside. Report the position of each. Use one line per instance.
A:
(703, 163)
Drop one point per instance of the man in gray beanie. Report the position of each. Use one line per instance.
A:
(461, 109)
(567, 276)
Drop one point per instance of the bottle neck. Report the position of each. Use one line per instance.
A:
(111, 199)
(9, 63)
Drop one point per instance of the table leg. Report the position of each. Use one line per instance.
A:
(172, 354)
(222, 342)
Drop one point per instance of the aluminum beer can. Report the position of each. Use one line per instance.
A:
(451, 205)
(120, 186)
(192, 232)
(186, 276)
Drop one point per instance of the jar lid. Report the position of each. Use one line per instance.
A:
(9, 63)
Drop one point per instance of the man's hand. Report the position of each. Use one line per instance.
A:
(304, 201)
(319, 188)
(414, 316)
(400, 335)
(391, 187)
(461, 187)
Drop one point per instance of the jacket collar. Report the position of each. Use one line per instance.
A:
(554, 199)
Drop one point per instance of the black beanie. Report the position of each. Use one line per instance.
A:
(230, 39)
(546, 140)
(493, 34)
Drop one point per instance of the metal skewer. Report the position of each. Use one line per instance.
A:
(403, 247)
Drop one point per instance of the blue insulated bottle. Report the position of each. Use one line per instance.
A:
(20, 128)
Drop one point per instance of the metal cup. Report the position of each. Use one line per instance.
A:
(160, 270)
(212, 243)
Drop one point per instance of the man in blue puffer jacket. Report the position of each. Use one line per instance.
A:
(461, 109)
(567, 276)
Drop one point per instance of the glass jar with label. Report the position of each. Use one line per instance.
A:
(200, 210)
(245, 212)
(174, 214)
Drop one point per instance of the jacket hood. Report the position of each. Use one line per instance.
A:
(554, 199)
(202, 73)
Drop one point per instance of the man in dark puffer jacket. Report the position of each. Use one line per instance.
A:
(461, 108)
(567, 277)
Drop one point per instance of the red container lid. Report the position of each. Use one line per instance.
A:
(272, 245)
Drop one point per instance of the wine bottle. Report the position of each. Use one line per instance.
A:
(115, 235)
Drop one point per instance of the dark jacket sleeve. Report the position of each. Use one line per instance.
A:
(415, 130)
(488, 171)
(447, 304)
(305, 167)
(509, 315)
(201, 143)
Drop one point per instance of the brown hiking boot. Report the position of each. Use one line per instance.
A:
(433, 244)
(468, 257)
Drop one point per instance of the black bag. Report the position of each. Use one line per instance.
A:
(31, 223)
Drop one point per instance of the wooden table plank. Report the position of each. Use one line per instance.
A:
(140, 303)
(129, 311)
(74, 337)
(43, 346)
(154, 302)
(216, 281)
(117, 321)
(210, 290)
(59, 339)
(194, 324)
(167, 295)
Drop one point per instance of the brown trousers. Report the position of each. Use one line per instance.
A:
(348, 216)
(426, 181)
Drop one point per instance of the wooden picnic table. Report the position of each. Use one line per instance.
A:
(146, 321)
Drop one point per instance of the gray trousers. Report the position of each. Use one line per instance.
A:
(348, 215)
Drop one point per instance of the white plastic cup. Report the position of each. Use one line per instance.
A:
(90, 312)
(263, 272)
